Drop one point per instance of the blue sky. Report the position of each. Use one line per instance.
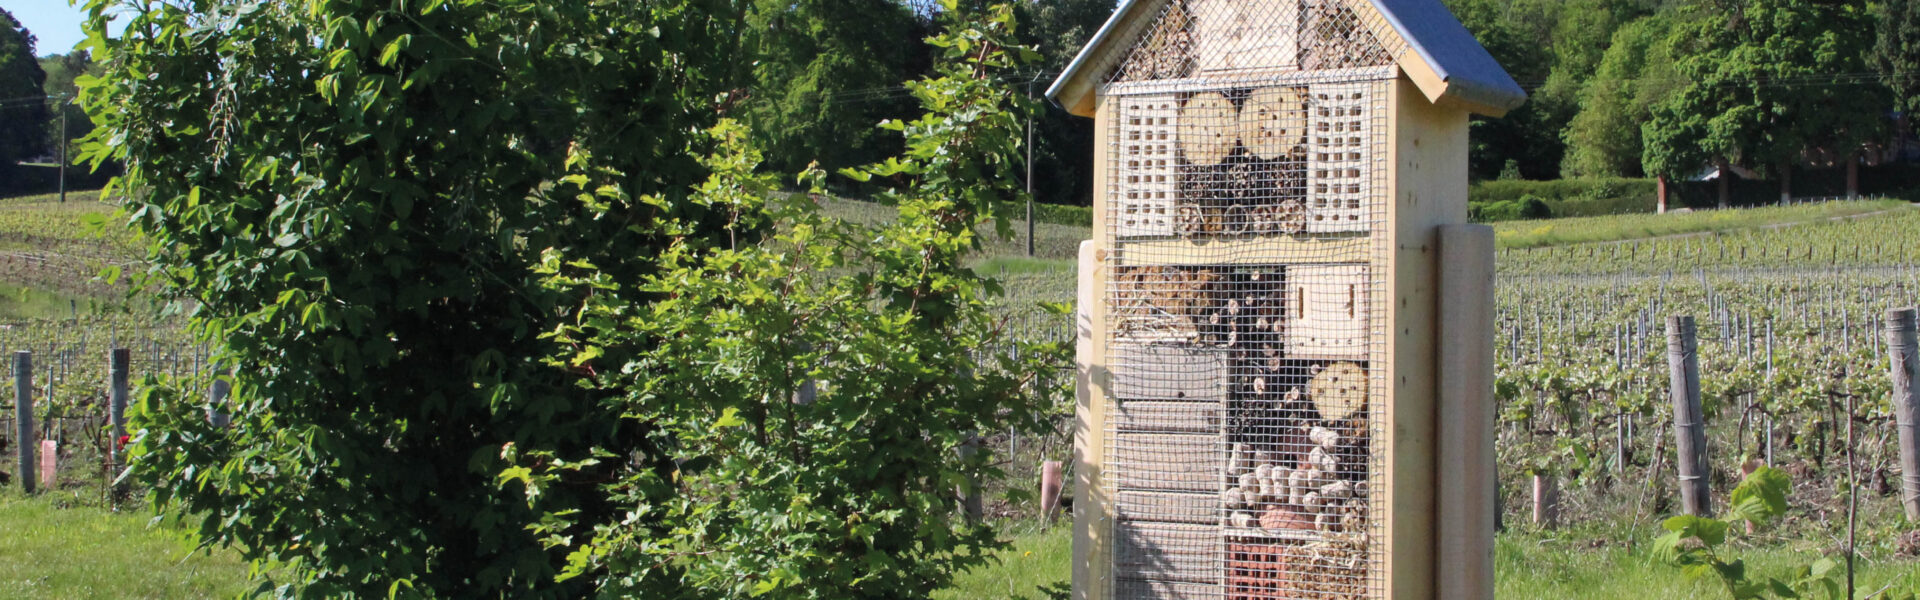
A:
(53, 21)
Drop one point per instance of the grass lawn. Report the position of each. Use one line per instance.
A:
(1557, 232)
(1038, 558)
(1526, 565)
(72, 196)
(88, 552)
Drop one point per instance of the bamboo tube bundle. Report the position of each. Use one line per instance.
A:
(1202, 219)
(1242, 182)
(1289, 216)
(1162, 303)
(1200, 185)
(1238, 220)
(1268, 181)
(1187, 221)
(1261, 320)
(1167, 52)
(1277, 191)
(1332, 37)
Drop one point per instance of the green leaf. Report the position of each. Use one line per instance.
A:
(392, 52)
(1761, 496)
(1823, 567)
(730, 417)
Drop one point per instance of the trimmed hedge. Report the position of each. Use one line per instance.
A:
(1562, 197)
(1593, 197)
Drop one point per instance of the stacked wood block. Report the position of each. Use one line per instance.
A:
(1166, 461)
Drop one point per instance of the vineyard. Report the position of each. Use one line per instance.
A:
(1790, 304)
(1792, 360)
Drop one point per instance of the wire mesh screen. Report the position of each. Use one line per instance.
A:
(1245, 304)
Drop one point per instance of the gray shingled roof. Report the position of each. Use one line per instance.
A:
(1430, 30)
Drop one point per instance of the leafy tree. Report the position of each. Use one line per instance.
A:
(1636, 72)
(23, 113)
(1581, 37)
(63, 73)
(1896, 52)
(498, 331)
(357, 197)
(1527, 135)
(778, 493)
(824, 72)
(1759, 87)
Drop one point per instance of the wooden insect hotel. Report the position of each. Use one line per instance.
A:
(1285, 351)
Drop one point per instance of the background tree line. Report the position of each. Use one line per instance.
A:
(30, 119)
(1665, 88)
(1619, 88)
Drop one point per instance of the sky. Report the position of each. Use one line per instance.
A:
(56, 24)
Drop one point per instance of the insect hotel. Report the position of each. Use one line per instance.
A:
(1285, 350)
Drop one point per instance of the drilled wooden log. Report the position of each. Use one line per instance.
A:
(1338, 391)
(1208, 128)
(1273, 122)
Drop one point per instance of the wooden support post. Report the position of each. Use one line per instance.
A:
(1786, 182)
(805, 393)
(1720, 182)
(23, 417)
(1660, 191)
(1905, 351)
(118, 365)
(49, 465)
(1466, 486)
(1769, 442)
(1546, 501)
(217, 394)
(971, 504)
(1092, 526)
(1689, 427)
(1853, 176)
(1050, 484)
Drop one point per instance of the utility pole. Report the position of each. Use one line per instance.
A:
(1029, 186)
(64, 100)
(1036, 78)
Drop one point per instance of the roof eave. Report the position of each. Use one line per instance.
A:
(1488, 100)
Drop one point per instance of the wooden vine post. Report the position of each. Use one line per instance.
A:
(23, 418)
(1905, 356)
(1285, 361)
(1689, 425)
(217, 393)
(118, 366)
